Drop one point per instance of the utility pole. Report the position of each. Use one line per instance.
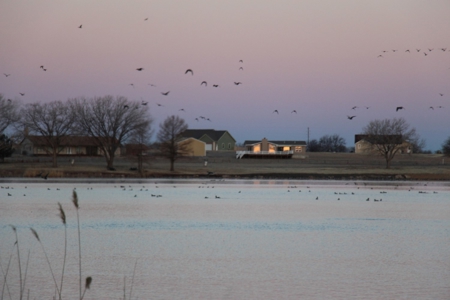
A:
(307, 145)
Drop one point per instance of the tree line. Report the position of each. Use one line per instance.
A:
(110, 121)
(115, 121)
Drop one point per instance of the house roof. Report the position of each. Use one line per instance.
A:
(380, 139)
(277, 142)
(215, 135)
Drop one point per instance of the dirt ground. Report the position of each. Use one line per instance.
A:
(225, 165)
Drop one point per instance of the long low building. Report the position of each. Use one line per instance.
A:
(271, 149)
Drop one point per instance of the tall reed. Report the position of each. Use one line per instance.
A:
(75, 203)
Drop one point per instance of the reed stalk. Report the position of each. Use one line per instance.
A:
(62, 215)
(48, 261)
(18, 259)
(5, 275)
(75, 203)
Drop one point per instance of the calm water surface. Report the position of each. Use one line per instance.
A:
(231, 239)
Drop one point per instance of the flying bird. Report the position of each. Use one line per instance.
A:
(350, 117)
(80, 26)
(408, 51)
(150, 84)
(204, 82)
(294, 111)
(145, 19)
(241, 61)
(425, 53)
(399, 107)
(144, 103)
(140, 69)
(237, 83)
(418, 50)
(182, 109)
(189, 70)
(275, 111)
(441, 94)
(132, 85)
(215, 85)
(241, 68)
(166, 93)
(380, 56)
(22, 94)
(354, 107)
(431, 107)
(6, 74)
(159, 104)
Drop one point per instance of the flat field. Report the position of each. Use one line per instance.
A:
(225, 165)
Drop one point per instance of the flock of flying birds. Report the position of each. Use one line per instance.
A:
(204, 83)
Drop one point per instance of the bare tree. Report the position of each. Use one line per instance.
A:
(6, 147)
(110, 121)
(141, 141)
(169, 135)
(9, 112)
(388, 136)
(446, 147)
(332, 143)
(52, 121)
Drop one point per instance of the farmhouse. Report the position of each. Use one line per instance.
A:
(271, 149)
(363, 144)
(70, 146)
(192, 147)
(215, 140)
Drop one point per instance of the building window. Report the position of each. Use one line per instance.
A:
(229, 145)
(223, 145)
(298, 148)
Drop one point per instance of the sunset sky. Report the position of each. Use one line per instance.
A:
(318, 57)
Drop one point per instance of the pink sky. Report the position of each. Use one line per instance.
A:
(319, 58)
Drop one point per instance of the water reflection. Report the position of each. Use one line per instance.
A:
(222, 239)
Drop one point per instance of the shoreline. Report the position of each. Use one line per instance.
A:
(315, 166)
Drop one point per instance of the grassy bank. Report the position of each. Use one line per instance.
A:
(224, 165)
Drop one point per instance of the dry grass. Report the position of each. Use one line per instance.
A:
(424, 166)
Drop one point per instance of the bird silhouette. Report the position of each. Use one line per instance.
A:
(144, 103)
(166, 93)
(407, 50)
(6, 74)
(425, 53)
(150, 84)
(350, 117)
(237, 83)
(80, 26)
(241, 68)
(140, 69)
(431, 107)
(441, 94)
(125, 106)
(196, 119)
(380, 56)
(204, 82)
(22, 94)
(275, 111)
(215, 85)
(241, 61)
(399, 107)
(354, 107)
(132, 85)
(418, 50)
(145, 19)
(182, 109)
(159, 104)
(189, 70)
(294, 111)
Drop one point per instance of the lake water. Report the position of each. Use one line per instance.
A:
(211, 239)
